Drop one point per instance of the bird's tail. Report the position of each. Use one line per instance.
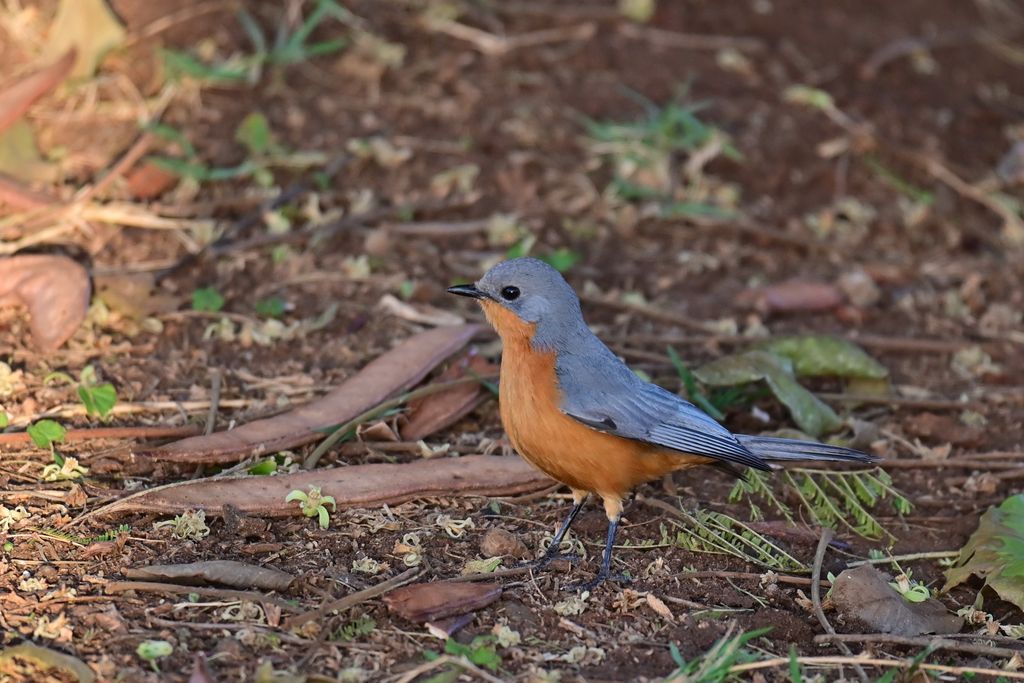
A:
(773, 449)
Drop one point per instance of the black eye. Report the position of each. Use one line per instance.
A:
(510, 293)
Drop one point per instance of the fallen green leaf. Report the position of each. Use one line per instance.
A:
(816, 355)
(809, 412)
(995, 552)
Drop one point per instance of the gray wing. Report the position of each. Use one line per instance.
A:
(597, 393)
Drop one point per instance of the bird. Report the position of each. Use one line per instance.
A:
(575, 410)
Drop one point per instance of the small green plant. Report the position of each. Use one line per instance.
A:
(715, 532)
(314, 504)
(693, 392)
(63, 469)
(713, 666)
(357, 628)
(189, 525)
(5, 419)
(98, 399)
(45, 433)
(108, 535)
(482, 651)
(660, 158)
(273, 307)
(911, 590)
(827, 497)
(289, 47)
(152, 650)
(207, 299)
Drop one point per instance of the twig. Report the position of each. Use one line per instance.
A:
(536, 495)
(207, 626)
(494, 45)
(338, 434)
(870, 661)
(819, 613)
(158, 26)
(462, 662)
(211, 415)
(934, 643)
(652, 313)
(224, 593)
(353, 599)
(130, 158)
(925, 403)
(439, 228)
(108, 433)
(936, 555)
(689, 41)
(77, 410)
(954, 463)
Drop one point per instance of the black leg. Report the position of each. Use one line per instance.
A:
(552, 553)
(606, 564)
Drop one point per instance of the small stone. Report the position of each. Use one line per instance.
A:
(501, 543)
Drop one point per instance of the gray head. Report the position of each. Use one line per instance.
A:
(536, 293)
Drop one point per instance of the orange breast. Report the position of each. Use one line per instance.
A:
(564, 449)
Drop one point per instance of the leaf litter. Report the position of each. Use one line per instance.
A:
(55, 290)
(392, 372)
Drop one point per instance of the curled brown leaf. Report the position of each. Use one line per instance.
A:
(54, 289)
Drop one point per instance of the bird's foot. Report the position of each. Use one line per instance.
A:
(546, 559)
(601, 577)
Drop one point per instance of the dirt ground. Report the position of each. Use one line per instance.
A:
(826, 195)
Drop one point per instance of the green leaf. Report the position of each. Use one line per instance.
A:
(810, 414)
(274, 307)
(179, 64)
(692, 390)
(152, 650)
(254, 133)
(45, 433)
(5, 419)
(818, 355)
(264, 467)
(99, 399)
(323, 517)
(207, 299)
(995, 552)
(561, 259)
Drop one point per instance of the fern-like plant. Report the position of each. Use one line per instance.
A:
(827, 498)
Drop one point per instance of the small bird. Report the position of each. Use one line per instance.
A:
(576, 412)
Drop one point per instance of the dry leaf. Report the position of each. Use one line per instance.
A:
(659, 606)
(352, 487)
(432, 601)
(792, 296)
(17, 96)
(431, 414)
(864, 594)
(149, 181)
(200, 671)
(48, 658)
(21, 198)
(54, 289)
(392, 372)
(421, 314)
(19, 155)
(224, 572)
(88, 26)
(501, 543)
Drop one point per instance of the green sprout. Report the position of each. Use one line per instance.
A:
(911, 590)
(152, 650)
(314, 504)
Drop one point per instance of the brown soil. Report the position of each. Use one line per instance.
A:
(518, 118)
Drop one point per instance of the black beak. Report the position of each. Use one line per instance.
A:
(467, 290)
